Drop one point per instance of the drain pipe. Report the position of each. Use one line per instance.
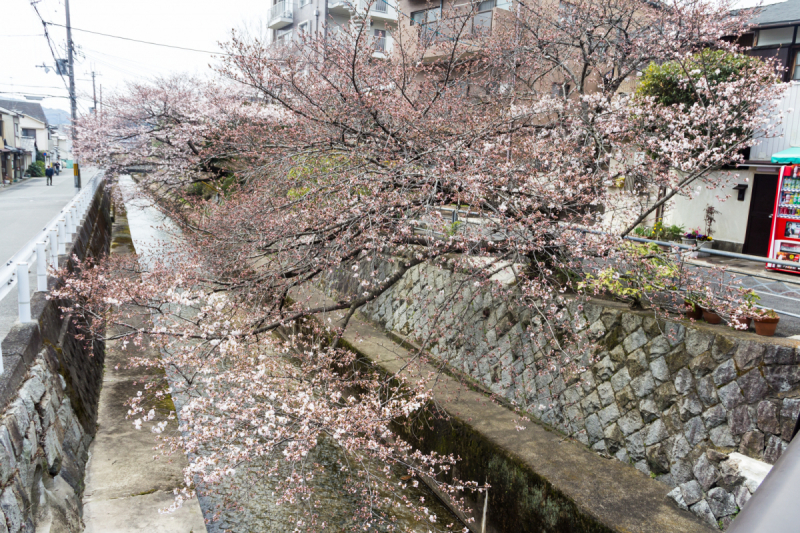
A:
(773, 507)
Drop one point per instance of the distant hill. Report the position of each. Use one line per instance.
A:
(56, 117)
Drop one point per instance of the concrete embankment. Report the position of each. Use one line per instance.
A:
(541, 481)
(671, 398)
(126, 485)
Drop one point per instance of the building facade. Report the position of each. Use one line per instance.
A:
(743, 222)
(31, 134)
(289, 20)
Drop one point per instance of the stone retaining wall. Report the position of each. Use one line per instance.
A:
(48, 397)
(671, 398)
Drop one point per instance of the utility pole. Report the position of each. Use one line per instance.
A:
(73, 101)
(101, 99)
(94, 94)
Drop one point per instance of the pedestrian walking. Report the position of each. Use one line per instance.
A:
(49, 174)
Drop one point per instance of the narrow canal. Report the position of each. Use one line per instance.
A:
(156, 236)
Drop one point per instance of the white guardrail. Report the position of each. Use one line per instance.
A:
(45, 248)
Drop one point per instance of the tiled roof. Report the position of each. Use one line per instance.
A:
(770, 15)
(31, 109)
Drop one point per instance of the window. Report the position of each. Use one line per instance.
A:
(303, 27)
(796, 67)
(304, 2)
(776, 36)
(27, 132)
(283, 37)
(426, 16)
(428, 22)
(380, 40)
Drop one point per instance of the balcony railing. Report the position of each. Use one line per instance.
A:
(381, 9)
(281, 14)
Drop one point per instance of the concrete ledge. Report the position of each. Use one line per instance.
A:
(541, 481)
(126, 487)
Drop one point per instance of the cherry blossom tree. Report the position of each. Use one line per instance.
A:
(295, 164)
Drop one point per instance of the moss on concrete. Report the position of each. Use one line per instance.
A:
(519, 499)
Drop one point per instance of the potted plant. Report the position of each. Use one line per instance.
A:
(743, 317)
(766, 321)
(703, 241)
(696, 238)
(693, 309)
(690, 237)
(711, 317)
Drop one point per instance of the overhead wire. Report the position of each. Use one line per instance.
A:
(147, 42)
(219, 53)
(35, 86)
(49, 42)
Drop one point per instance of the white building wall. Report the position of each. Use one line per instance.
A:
(27, 122)
(730, 224)
(788, 133)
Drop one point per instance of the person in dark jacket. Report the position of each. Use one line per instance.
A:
(49, 174)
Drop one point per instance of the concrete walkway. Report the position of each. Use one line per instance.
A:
(125, 486)
(25, 208)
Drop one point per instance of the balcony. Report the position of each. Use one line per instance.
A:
(340, 7)
(438, 35)
(380, 9)
(281, 15)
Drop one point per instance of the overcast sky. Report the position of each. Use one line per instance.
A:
(188, 23)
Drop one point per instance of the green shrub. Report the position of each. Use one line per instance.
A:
(672, 82)
(36, 169)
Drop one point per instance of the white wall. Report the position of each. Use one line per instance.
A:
(27, 122)
(730, 222)
(788, 133)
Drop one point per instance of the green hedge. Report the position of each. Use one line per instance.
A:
(672, 82)
(36, 169)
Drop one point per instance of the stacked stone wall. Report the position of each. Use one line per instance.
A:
(48, 401)
(672, 398)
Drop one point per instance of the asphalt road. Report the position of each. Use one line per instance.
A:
(25, 209)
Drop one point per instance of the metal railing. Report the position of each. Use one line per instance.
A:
(283, 9)
(678, 249)
(44, 248)
(381, 6)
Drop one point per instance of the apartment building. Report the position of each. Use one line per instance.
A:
(289, 19)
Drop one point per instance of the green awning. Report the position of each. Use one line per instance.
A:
(790, 156)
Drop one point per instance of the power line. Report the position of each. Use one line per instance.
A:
(36, 86)
(146, 42)
(31, 94)
(49, 42)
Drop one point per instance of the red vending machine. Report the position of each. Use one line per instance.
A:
(785, 239)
